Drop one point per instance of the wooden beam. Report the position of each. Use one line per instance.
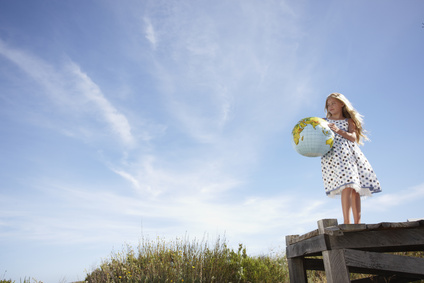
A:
(380, 240)
(313, 264)
(378, 262)
(310, 246)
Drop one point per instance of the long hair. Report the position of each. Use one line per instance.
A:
(349, 112)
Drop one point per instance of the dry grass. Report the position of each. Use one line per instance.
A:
(189, 261)
(195, 261)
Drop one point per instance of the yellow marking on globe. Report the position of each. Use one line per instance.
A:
(313, 121)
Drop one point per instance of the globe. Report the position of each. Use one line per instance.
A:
(312, 137)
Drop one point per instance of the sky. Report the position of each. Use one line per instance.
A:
(168, 119)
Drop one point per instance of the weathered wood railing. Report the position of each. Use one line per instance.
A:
(357, 248)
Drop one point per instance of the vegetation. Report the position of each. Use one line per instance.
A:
(187, 261)
(24, 281)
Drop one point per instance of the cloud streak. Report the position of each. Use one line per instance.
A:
(402, 198)
(70, 88)
(116, 120)
(120, 215)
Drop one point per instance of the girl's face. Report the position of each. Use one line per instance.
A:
(335, 107)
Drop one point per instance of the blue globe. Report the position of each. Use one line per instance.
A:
(312, 137)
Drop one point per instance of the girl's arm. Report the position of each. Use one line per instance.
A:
(351, 131)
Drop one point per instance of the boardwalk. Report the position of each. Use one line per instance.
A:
(357, 248)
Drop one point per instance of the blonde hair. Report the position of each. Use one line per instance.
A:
(349, 112)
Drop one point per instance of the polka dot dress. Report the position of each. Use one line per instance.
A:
(345, 166)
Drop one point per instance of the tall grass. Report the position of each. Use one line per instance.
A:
(186, 261)
(189, 261)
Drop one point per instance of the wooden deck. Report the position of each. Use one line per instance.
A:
(358, 248)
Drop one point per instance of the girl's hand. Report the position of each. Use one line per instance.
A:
(334, 128)
(351, 135)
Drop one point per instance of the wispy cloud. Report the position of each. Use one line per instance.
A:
(128, 177)
(116, 120)
(119, 215)
(150, 33)
(71, 89)
(388, 201)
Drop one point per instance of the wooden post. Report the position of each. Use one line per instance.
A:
(297, 271)
(336, 270)
(324, 223)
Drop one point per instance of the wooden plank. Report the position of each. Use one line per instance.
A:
(318, 264)
(330, 227)
(336, 270)
(377, 262)
(309, 246)
(297, 271)
(352, 227)
(313, 264)
(380, 240)
(308, 235)
(292, 239)
(415, 219)
(393, 225)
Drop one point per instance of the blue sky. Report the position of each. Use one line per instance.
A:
(163, 119)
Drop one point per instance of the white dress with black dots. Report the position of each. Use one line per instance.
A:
(345, 166)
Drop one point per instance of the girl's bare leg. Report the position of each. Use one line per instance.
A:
(356, 207)
(346, 204)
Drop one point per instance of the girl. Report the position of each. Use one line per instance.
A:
(345, 169)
